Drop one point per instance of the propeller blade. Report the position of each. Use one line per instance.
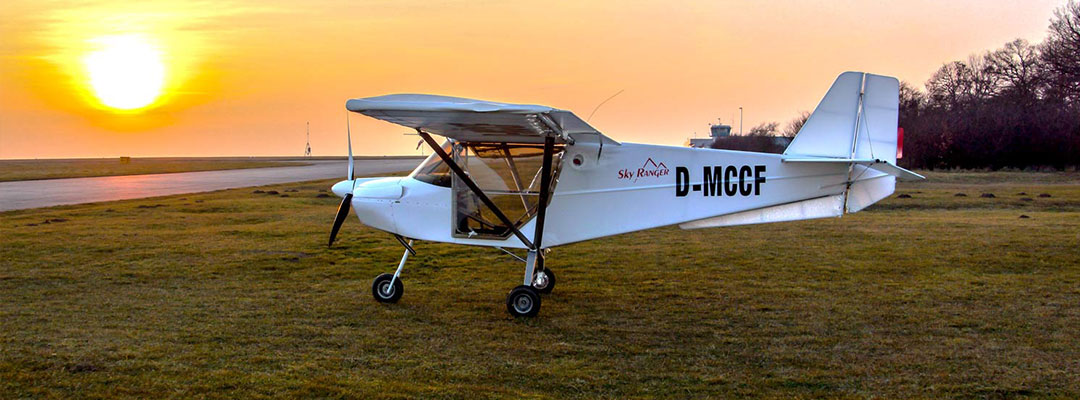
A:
(348, 133)
(342, 212)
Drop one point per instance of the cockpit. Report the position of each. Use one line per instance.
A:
(507, 173)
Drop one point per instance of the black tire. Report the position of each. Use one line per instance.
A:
(523, 301)
(383, 292)
(545, 285)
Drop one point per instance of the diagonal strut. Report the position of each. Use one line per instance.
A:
(475, 189)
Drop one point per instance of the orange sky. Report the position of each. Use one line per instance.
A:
(243, 77)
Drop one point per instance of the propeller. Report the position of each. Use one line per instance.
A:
(342, 212)
(346, 202)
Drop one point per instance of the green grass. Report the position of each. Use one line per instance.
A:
(234, 294)
(22, 170)
(998, 178)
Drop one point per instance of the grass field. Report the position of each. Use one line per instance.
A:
(23, 170)
(234, 294)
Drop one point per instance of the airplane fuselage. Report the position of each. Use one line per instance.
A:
(616, 190)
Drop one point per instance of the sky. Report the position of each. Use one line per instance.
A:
(228, 78)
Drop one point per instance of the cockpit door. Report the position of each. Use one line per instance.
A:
(507, 173)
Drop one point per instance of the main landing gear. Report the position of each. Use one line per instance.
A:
(523, 301)
(544, 281)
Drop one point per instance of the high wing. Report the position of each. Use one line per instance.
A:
(478, 120)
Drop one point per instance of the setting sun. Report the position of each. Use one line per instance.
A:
(125, 72)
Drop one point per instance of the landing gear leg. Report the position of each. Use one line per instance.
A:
(531, 260)
(388, 288)
(524, 300)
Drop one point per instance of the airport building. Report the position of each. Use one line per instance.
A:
(715, 131)
(720, 137)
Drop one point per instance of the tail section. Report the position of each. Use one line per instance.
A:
(842, 160)
(856, 124)
(856, 119)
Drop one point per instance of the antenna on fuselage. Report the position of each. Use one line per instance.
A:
(601, 149)
(602, 103)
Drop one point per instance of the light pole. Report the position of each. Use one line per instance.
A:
(740, 121)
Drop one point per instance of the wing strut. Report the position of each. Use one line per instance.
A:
(476, 189)
(545, 193)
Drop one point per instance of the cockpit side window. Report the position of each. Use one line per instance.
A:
(509, 175)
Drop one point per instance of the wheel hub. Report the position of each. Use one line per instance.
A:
(541, 280)
(523, 304)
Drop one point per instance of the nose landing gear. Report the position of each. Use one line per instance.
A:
(387, 288)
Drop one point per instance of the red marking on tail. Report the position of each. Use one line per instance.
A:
(899, 143)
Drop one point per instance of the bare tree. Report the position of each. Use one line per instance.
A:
(911, 98)
(962, 83)
(764, 129)
(796, 124)
(948, 86)
(1016, 66)
(1061, 51)
(984, 84)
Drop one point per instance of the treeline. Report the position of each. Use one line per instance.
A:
(1014, 107)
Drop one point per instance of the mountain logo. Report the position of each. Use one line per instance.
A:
(649, 169)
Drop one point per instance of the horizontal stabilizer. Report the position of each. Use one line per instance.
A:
(895, 170)
(873, 163)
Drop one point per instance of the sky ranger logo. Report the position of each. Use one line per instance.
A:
(651, 169)
(722, 181)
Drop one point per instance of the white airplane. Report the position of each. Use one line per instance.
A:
(520, 176)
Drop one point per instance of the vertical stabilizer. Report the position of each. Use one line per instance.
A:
(855, 121)
(860, 109)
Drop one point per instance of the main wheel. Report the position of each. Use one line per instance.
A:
(544, 281)
(523, 301)
(383, 291)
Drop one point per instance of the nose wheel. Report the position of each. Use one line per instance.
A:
(386, 289)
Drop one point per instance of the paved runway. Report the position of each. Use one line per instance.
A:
(52, 192)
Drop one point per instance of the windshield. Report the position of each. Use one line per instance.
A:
(433, 170)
